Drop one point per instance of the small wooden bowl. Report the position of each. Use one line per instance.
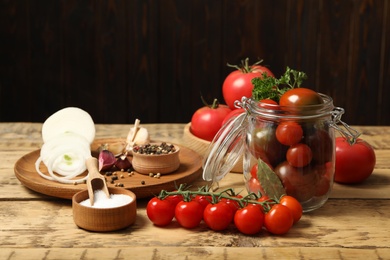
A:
(201, 146)
(104, 219)
(156, 163)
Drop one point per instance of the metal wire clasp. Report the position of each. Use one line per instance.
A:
(345, 130)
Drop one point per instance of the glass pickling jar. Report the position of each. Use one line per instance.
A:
(298, 145)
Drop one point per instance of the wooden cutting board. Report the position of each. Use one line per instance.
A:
(142, 185)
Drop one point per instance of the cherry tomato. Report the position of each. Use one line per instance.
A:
(234, 205)
(218, 216)
(203, 200)
(325, 173)
(232, 114)
(297, 97)
(189, 213)
(264, 145)
(239, 82)
(299, 183)
(293, 205)
(249, 220)
(269, 104)
(354, 163)
(160, 212)
(289, 133)
(174, 199)
(278, 220)
(207, 121)
(299, 155)
(321, 145)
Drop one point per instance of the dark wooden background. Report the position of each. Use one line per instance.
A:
(151, 59)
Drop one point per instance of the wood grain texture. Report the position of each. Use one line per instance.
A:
(122, 60)
(353, 224)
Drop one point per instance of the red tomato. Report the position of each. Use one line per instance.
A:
(265, 145)
(278, 220)
(298, 97)
(299, 155)
(239, 83)
(174, 199)
(203, 200)
(249, 220)
(269, 104)
(321, 145)
(354, 163)
(233, 113)
(299, 183)
(160, 212)
(289, 133)
(218, 216)
(207, 121)
(189, 213)
(293, 205)
(234, 205)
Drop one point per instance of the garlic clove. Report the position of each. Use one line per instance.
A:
(123, 163)
(106, 160)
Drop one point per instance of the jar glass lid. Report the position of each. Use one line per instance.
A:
(225, 149)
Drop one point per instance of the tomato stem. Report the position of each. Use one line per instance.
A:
(245, 67)
(251, 198)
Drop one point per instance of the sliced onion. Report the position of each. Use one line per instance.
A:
(67, 136)
(69, 119)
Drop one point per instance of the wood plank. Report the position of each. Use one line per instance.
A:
(194, 252)
(340, 223)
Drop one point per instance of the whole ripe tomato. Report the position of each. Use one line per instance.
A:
(354, 163)
(278, 220)
(299, 155)
(289, 133)
(249, 220)
(232, 114)
(298, 97)
(294, 206)
(218, 216)
(204, 200)
(264, 144)
(189, 213)
(207, 120)
(299, 183)
(160, 212)
(239, 82)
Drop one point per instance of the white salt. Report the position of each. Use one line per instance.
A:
(101, 201)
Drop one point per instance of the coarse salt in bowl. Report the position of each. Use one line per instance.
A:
(107, 214)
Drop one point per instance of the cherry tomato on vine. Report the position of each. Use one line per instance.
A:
(293, 205)
(278, 220)
(189, 213)
(174, 199)
(299, 155)
(234, 205)
(218, 216)
(249, 220)
(239, 82)
(207, 120)
(160, 212)
(297, 97)
(204, 200)
(289, 133)
(354, 163)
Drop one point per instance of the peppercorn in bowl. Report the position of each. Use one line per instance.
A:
(156, 158)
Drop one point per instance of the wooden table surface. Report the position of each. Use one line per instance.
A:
(353, 224)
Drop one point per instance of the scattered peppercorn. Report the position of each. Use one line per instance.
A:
(143, 182)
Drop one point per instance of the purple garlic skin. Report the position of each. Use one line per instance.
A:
(106, 160)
